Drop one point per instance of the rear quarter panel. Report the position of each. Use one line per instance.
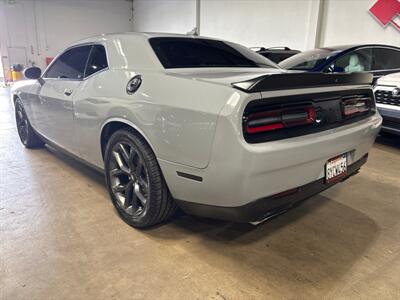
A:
(177, 116)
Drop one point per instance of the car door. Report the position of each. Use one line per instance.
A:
(54, 113)
(87, 100)
(386, 61)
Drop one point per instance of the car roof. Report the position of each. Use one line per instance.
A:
(131, 50)
(354, 46)
(333, 52)
(144, 35)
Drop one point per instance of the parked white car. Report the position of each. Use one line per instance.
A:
(387, 94)
(201, 123)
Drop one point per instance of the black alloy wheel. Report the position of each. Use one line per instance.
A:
(27, 135)
(135, 182)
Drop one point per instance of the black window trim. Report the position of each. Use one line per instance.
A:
(84, 73)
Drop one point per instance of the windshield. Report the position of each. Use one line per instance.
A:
(176, 52)
(307, 60)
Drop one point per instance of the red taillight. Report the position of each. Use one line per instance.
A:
(279, 119)
(356, 106)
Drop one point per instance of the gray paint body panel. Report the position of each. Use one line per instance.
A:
(192, 119)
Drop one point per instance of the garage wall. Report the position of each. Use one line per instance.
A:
(260, 23)
(31, 30)
(347, 22)
(177, 16)
(292, 23)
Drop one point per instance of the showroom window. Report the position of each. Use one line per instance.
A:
(70, 65)
(386, 59)
(97, 60)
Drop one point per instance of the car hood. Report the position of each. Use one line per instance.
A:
(223, 76)
(391, 79)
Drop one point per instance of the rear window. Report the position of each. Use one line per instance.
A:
(205, 53)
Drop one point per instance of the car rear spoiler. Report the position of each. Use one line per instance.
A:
(273, 82)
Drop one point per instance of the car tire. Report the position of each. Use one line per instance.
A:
(27, 135)
(135, 181)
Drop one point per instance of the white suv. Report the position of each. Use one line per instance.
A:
(387, 94)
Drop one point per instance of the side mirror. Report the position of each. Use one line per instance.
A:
(32, 73)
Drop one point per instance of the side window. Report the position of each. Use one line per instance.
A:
(97, 60)
(355, 61)
(386, 59)
(70, 65)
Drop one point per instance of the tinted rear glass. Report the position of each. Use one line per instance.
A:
(307, 60)
(205, 53)
(386, 59)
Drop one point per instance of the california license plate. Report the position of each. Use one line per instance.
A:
(336, 168)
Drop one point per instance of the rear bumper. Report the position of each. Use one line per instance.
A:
(265, 207)
(240, 173)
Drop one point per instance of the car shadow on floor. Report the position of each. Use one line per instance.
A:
(245, 233)
(314, 244)
(390, 140)
(77, 165)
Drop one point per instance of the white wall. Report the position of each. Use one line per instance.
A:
(269, 23)
(37, 29)
(348, 22)
(1, 71)
(260, 23)
(178, 16)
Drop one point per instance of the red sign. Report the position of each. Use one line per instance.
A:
(385, 11)
(49, 60)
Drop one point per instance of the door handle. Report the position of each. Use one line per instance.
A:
(67, 92)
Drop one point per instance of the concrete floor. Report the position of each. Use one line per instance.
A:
(62, 239)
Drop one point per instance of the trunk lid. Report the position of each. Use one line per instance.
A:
(296, 80)
(223, 76)
(252, 80)
(297, 104)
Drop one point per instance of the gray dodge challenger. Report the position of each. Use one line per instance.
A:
(197, 123)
